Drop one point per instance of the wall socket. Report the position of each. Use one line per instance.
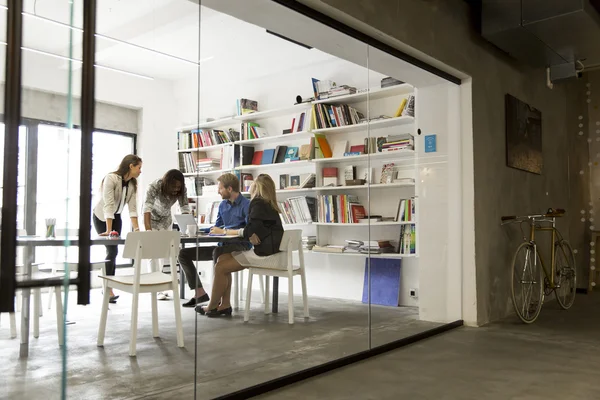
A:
(413, 293)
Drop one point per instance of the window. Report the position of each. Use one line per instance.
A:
(58, 177)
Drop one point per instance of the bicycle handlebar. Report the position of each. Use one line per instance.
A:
(552, 212)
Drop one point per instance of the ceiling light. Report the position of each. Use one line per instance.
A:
(45, 53)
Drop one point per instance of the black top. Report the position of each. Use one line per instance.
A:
(266, 223)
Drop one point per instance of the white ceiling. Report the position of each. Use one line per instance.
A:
(229, 46)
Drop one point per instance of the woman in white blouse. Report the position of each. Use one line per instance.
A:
(118, 188)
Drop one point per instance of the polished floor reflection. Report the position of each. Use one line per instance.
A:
(231, 355)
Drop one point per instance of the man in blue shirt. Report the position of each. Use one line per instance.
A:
(232, 214)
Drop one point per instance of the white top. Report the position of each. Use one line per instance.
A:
(113, 198)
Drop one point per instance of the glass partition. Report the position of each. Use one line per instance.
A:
(311, 181)
(46, 45)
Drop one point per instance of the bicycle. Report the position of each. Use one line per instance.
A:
(527, 276)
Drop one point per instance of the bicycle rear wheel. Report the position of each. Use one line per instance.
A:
(566, 276)
(527, 285)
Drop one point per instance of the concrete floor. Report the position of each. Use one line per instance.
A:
(232, 355)
(555, 358)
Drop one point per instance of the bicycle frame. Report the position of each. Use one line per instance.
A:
(533, 227)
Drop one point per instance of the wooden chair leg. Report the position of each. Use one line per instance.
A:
(134, 320)
(248, 297)
(103, 315)
(304, 294)
(291, 298)
(59, 317)
(154, 315)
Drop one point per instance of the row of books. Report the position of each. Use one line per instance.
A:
(205, 138)
(298, 210)
(407, 239)
(332, 116)
(342, 208)
(359, 246)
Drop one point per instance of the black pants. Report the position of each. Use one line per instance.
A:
(111, 251)
(188, 255)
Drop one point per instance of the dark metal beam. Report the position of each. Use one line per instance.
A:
(87, 128)
(12, 119)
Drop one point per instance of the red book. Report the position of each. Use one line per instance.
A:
(257, 158)
(330, 172)
(359, 148)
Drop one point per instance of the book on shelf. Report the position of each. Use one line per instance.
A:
(198, 138)
(330, 176)
(368, 247)
(407, 242)
(387, 173)
(333, 116)
(343, 208)
(406, 210)
(322, 148)
(252, 130)
(301, 122)
(298, 210)
(330, 248)
(308, 242)
(302, 181)
(389, 81)
(246, 106)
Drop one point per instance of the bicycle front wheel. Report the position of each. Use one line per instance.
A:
(527, 283)
(566, 276)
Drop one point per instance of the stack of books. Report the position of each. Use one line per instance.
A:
(373, 246)
(308, 242)
(207, 164)
(404, 141)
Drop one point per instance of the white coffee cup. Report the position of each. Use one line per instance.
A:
(192, 229)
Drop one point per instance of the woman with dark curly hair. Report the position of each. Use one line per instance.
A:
(160, 197)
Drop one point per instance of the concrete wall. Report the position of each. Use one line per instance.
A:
(442, 29)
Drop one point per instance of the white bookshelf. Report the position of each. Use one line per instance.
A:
(405, 159)
(276, 139)
(378, 124)
(207, 173)
(364, 187)
(217, 123)
(373, 255)
(278, 112)
(372, 94)
(384, 155)
(364, 225)
(206, 148)
(284, 165)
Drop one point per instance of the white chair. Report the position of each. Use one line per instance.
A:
(291, 241)
(13, 325)
(58, 268)
(145, 246)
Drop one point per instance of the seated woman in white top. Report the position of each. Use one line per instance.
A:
(118, 188)
(161, 195)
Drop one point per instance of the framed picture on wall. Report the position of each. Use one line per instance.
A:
(523, 136)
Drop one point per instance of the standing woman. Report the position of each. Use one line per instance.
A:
(161, 195)
(264, 230)
(118, 188)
